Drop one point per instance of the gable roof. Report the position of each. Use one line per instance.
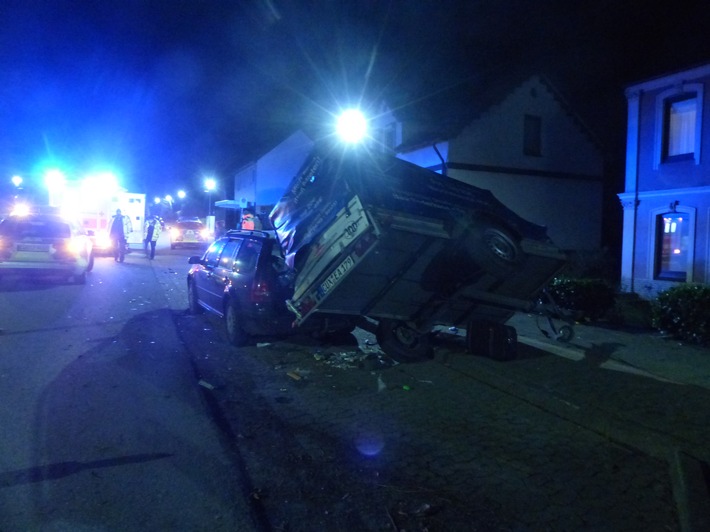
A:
(444, 115)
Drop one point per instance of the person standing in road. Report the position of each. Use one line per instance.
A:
(118, 232)
(150, 236)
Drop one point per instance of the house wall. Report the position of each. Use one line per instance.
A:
(561, 188)
(496, 138)
(261, 184)
(654, 187)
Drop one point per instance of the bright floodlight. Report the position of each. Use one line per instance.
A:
(181, 194)
(16, 180)
(54, 178)
(352, 126)
(210, 184)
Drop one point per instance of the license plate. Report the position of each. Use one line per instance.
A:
(33, 247)
(327, 285)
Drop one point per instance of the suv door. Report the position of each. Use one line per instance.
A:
(221, 274)
(202, 277)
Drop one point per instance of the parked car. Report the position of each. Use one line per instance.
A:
(45, 244)
(189, 233)
(243, 278)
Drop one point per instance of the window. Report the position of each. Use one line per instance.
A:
(673, 246)
(678, 119)
(226, 259)
(680, 128)
(532, 136)
(213, 252)
(248, 257)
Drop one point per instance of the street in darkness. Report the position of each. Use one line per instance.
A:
(128, 413)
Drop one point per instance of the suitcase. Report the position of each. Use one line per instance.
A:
(493, 340)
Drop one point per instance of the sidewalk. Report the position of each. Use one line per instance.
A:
(643, 352)
(649, 354)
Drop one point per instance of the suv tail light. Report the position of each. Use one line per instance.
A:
(261, 291)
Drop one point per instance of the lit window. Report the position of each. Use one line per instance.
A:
(532, 136)
(680, 127)
(673, 247)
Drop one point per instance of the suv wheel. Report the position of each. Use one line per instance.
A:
(194, 305)
(235, 333)
(401, 342)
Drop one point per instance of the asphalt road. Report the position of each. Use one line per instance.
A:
(172, 428)
(336, 436)
(103, 424)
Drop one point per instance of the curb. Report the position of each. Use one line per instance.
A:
(690, 490)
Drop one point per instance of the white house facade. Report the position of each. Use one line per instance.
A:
(535, 156)
(666, 198)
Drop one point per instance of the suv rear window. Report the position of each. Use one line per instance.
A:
(190, 225)
(34, 228)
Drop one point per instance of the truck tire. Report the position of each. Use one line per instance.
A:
(232, 320)
(401, 342)
(495, 249)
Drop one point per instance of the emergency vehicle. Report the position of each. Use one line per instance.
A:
(95, 211)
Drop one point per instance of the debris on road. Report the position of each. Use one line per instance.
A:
(205, 384)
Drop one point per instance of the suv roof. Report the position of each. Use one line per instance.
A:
(251, 232)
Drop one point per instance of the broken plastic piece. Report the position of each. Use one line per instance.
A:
(205, 384)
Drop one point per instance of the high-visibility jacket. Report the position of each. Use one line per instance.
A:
(120, 228)
(156, 230)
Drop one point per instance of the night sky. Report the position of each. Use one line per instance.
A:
(166, 92)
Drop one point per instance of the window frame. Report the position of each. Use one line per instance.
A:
(657, 245)
(664, 100)
(532, 135)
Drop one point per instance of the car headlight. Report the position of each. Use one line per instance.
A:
(103, 240)
(76, 245)
(174, 233)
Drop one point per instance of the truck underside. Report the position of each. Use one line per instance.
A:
(410, 249)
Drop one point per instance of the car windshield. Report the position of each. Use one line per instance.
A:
(34, 228)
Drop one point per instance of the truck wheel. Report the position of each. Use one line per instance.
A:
(401, 342)
(495, 249)
(235, 334)
(194, 305)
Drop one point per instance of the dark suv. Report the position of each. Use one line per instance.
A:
(243, 278)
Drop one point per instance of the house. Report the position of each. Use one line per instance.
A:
(666, 198)
(524, 144)
(521, 141)
(259, 185)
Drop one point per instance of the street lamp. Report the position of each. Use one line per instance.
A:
(352, 126)
(17, 181)
(210, 185)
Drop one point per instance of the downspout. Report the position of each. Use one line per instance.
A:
(443, 162)
(636, 196)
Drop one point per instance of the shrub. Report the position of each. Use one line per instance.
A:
(683, 312)
(630, 310)
(590, 298)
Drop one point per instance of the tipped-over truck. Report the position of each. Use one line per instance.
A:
(369, 235)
